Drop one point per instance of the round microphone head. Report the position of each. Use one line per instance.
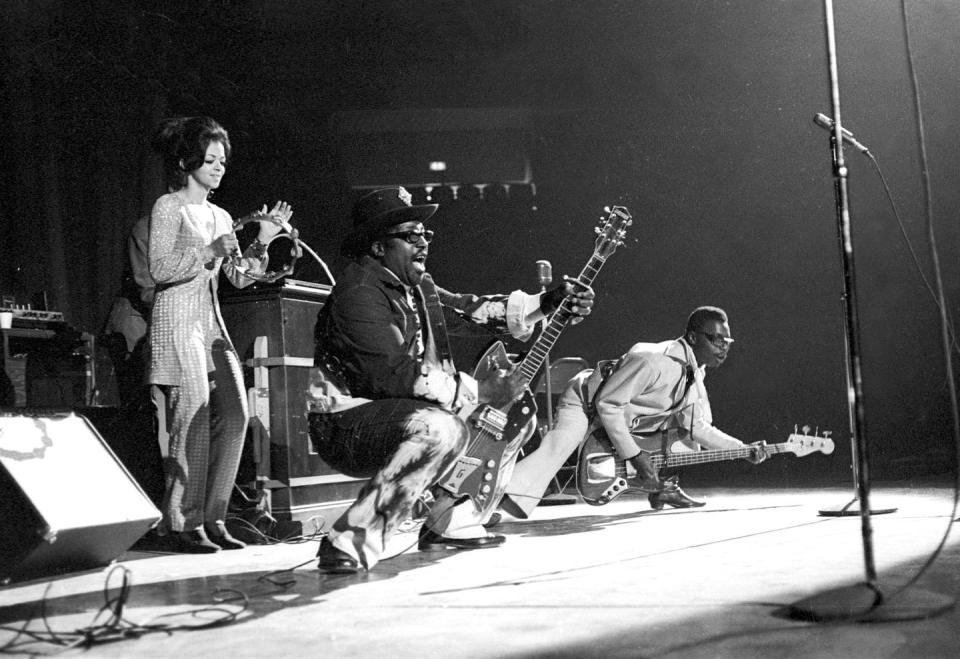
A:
(544, 272)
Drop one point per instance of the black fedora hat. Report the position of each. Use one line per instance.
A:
(379, 210)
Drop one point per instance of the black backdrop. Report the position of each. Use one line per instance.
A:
(696, 114)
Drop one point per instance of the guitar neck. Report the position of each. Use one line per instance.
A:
(712, 455)
(558, 321)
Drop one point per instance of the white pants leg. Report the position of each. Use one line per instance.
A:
(532, 475)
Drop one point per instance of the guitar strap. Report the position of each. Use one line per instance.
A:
(435, 325)
(665, 436)
(606, 368)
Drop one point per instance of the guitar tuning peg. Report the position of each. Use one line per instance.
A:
(597, 230)
(827, 433)
(806, 430)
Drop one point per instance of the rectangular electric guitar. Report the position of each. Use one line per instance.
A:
(497, 433)
(602, 476)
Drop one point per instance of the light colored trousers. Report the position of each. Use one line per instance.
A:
(206, 421)
(533, 473)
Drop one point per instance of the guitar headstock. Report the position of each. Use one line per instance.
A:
(611, 231)
(804, 444)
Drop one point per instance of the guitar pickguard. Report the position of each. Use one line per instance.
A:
(496, 436)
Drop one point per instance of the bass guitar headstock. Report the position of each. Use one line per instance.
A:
(805, 443)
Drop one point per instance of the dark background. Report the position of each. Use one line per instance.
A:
(695, 114)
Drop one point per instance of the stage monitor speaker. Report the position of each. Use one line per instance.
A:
(66, 501)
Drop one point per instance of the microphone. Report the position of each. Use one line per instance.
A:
(824, 121)
(544, 273)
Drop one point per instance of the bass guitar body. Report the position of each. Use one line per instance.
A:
(601, 475)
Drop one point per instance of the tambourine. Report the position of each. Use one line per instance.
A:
(295, 251)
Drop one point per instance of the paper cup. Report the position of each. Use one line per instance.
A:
(6, 319)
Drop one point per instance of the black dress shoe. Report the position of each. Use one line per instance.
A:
(335, 561)
(675, 497)
(432, 541)
(222, 538)
(193, 542)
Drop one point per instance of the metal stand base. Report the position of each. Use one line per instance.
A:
(866, 603)
(852, 509)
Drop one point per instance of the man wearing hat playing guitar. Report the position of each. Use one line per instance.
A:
(386, 393)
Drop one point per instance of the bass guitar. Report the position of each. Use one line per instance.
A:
(602, 476)
(497, 433)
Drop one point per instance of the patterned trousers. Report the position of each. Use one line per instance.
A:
(403, 446)
(207, 422)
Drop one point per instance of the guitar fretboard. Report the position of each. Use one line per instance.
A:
(558, 321)
(713, 455)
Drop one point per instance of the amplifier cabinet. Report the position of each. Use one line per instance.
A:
(66, 501)
(272, 329)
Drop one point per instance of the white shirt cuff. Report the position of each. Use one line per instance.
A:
(523, 314)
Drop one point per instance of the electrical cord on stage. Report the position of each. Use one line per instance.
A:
(411, 526)
(109, 623)
(260, 515)
(319, 522)
(294, 539)
(271, 577)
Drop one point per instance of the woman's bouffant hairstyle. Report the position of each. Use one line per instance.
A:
(182, 143)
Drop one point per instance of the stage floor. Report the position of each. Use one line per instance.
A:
(574, 581)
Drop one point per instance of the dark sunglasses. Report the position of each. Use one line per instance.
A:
(412, 237)
(718, 340)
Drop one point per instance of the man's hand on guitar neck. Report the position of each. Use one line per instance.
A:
(580, 296)
(759, 452)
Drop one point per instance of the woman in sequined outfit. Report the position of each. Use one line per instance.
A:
(191, 357)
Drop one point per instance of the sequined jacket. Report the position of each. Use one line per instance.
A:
(185, 308)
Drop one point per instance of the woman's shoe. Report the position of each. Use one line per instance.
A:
(222, 538)
(194, 542)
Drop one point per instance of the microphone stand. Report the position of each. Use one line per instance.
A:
(864, 602)
(556, 498)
